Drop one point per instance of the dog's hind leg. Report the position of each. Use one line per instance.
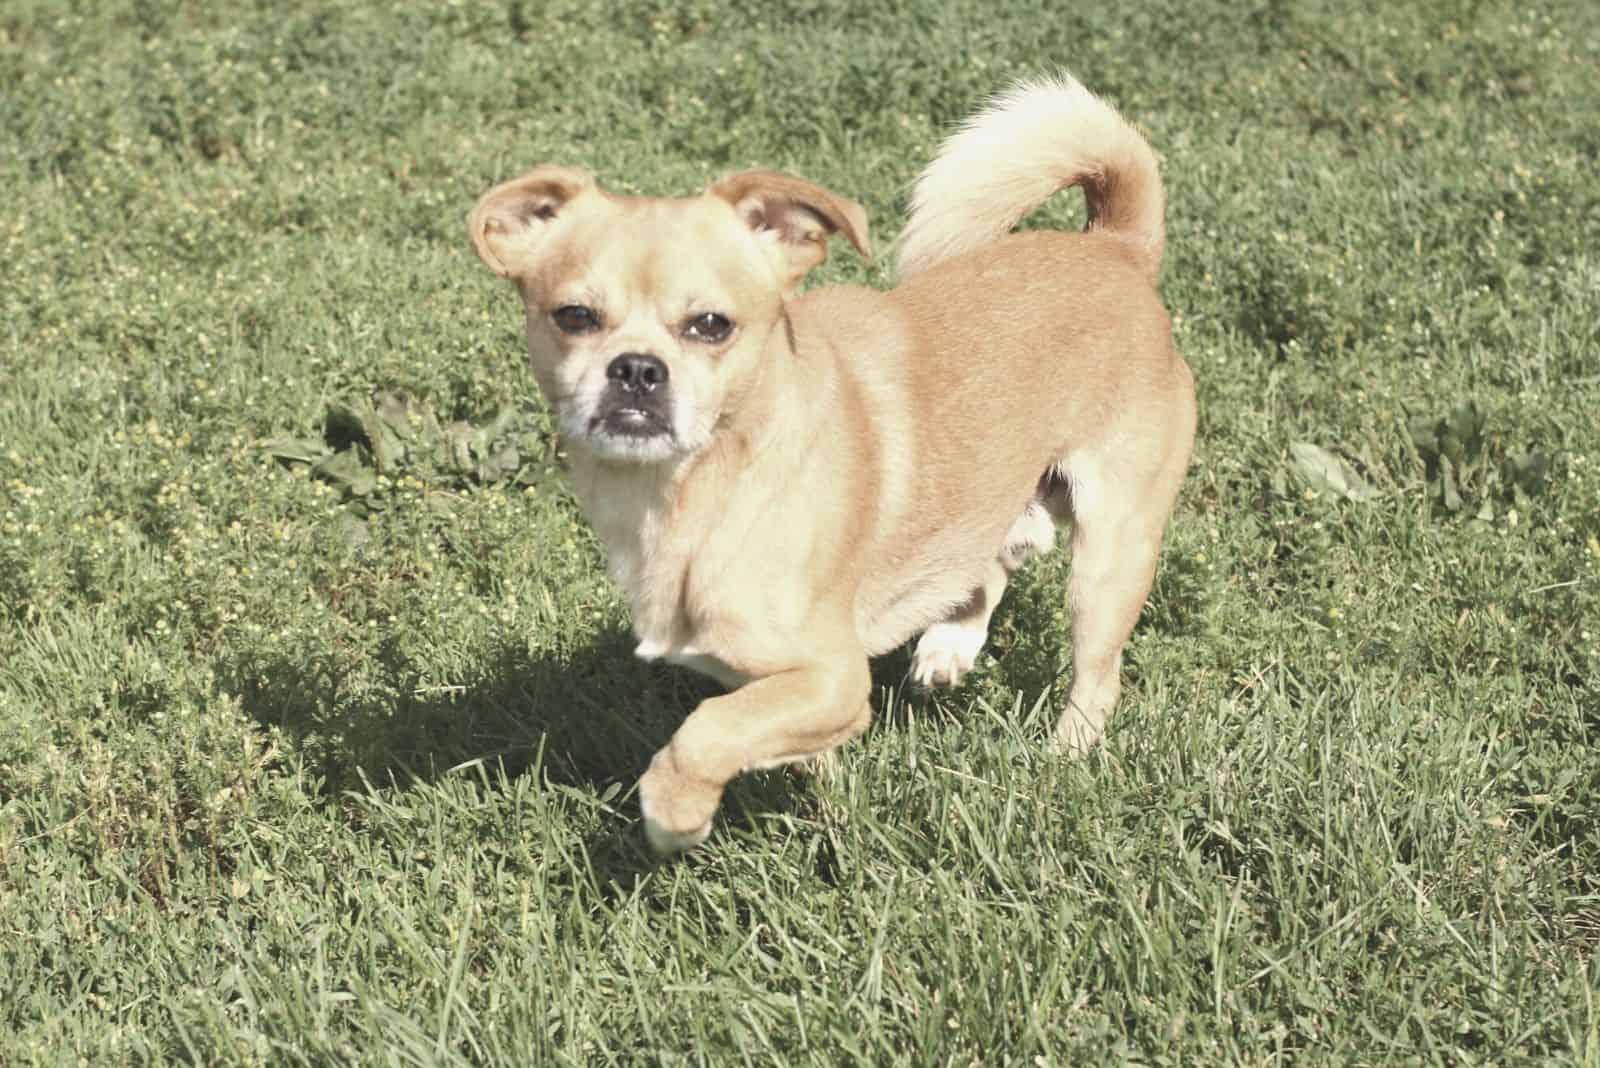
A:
(1116, 535)
(948, 649)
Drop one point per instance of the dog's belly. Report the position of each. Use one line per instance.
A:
(694, 659)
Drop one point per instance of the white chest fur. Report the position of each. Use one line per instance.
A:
(693, 659)
(633, 510)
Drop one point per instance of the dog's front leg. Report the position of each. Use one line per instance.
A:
(783, 717)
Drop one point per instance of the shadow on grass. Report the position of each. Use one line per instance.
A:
(588, 718)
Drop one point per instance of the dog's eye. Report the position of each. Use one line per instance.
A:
(576, 319)
(709, 327)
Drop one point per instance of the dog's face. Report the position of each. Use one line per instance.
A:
(647, 318)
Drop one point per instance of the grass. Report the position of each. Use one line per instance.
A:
(317, 724)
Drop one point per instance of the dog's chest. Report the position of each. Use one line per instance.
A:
(654, 578)
(657, 532)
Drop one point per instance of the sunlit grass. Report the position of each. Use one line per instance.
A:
(317, 740)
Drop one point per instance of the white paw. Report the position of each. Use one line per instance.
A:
(945, 652)
(666, 842)
(677, 810)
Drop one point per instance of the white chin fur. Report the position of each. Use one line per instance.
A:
(625, 448)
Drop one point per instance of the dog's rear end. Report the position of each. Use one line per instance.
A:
(1079, 390)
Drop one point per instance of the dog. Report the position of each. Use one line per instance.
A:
(788, 485)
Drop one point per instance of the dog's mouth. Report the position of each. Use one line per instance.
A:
(629, 421)
(629, 426)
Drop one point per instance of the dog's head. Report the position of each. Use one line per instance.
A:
(648, 317)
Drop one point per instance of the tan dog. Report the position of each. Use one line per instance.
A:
(787, 485)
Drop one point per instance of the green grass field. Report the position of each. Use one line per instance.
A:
(318, 723)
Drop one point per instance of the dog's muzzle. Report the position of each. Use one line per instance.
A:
(636, 400)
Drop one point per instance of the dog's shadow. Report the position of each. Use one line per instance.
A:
(588, 717)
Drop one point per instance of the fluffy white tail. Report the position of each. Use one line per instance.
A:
(1029, 143)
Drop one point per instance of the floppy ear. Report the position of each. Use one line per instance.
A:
(800, 214)
(513, 217)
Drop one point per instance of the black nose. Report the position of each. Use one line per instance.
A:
(637, 371)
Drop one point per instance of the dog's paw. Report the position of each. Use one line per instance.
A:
(665, 842)
(1077, 733)
(677, 809)
(945, 652)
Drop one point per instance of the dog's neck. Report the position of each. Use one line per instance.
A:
(648, 514)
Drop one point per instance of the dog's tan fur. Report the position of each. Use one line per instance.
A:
(850, 467)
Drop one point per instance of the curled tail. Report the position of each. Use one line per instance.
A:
(1030, 142)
